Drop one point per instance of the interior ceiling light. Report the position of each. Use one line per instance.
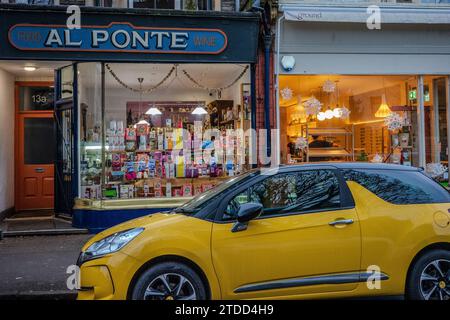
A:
(153, 111)
(337, 112)
(321, 116)
(199, 110)
(329, 114)
(143, 121)
(384, 110)
(29, 68)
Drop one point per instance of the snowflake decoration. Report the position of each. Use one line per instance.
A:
(394, 121)
(312, 106)
(329, 86)
(301, 143)
(436, 170)
(377, 158)
(344, 113)
(287, 93)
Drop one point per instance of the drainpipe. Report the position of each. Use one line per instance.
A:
(267, 45)
(277, 83)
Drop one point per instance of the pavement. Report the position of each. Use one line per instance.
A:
(34, 267)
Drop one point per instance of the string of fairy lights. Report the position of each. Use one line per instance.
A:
(174, 70)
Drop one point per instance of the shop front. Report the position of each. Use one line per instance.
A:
(350, 93)
(144, 105)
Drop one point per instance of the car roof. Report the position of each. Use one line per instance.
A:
(352, 165)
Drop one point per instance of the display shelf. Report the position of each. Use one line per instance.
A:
(346, 151)
(329, 152)
(328, 131)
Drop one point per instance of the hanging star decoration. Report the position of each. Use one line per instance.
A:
(344, 113)
(435, 170)
(394, 121)
(377, 158)
(329, 86)
(286, 93)
(312, 106)
(301, 143)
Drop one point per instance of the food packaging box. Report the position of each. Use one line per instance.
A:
(180, 170)
(187, 190)
(168, 189)
(158, 185)
(207, 186)
(130, 134)
(158, 193)
(197, 189)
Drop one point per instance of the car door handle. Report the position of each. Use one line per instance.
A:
(340, 222)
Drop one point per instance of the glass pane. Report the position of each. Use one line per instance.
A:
(67, 82)
(39, 147)
(89, 93)
(157, 145)
(295, 192)
(36, 98)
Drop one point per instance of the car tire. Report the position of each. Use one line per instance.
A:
(429, 278)
(161, 282)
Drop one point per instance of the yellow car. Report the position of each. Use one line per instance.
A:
(305, 231)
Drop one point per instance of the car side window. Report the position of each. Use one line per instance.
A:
(289, 193)
(399, 187)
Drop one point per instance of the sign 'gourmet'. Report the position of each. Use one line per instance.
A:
(117, 37)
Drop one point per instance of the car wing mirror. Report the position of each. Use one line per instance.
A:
(247, 212)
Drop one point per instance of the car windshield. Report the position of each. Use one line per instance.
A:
(199, 201)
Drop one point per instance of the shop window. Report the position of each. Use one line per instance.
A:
(72, 2)
(90, 130)
(154, 4)
(66, 83)
(291, 193)
(155, 121)
(399, 187)
(38, 2)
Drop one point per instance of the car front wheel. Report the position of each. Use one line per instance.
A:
(169, 281)
(430, 277)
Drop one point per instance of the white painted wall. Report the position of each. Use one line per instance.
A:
(6, 140)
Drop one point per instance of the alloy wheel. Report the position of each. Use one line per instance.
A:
(170, 286)
(435, 280)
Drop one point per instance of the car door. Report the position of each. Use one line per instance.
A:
(307, 239)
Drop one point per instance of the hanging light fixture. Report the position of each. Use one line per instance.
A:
(199, 111)
(142, 120)
(383, 110)
(153, 111)
(321, 116)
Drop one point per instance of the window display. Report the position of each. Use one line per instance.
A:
(353, 118)
(161, 133)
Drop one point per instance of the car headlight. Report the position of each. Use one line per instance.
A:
(109, 244)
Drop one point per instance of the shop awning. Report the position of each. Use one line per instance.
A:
(360, 14)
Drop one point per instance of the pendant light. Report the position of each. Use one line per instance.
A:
(153, 111)
(337, 110)
(383, 110)
(142, 120)
(199, 110)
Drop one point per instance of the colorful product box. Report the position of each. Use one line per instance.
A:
(197, 189)
(207, 186)
(187, 190)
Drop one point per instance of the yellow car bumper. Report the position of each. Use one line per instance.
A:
(108, 277)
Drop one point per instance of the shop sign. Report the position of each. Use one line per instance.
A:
(117, 37)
